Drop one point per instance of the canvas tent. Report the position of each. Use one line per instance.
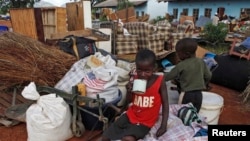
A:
(113, 3)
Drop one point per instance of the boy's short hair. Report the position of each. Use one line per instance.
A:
(145, 55)
(186, 45)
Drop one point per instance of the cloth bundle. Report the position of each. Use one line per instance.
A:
(100, 75)
(102, 81)
(80, 68)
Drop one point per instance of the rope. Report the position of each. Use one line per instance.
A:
(75, 48)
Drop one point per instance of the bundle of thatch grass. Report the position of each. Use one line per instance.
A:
(23, 59)
(246, 94)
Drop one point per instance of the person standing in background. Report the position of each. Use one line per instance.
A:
(215, 19)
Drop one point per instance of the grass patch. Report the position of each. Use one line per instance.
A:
(217, 49)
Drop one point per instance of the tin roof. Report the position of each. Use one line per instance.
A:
(113, 3)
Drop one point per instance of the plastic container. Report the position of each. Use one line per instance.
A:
(210, 55)
(139, 86)
(168, 69)
(166, 63)
(4, 28)
(211, 107)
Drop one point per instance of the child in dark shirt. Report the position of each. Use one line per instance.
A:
(191, 72)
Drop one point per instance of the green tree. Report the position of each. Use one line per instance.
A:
(6, 4)
(215, 34)
(122, 4)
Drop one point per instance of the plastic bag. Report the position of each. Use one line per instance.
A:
(78, 46)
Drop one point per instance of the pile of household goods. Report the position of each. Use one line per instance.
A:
(102, 75)
(98, 75)
(24, 60)
(242, 27)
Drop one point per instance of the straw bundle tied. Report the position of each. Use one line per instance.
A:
(23, 59)
(246, 94)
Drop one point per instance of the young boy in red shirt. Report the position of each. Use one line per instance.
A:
(144, 109)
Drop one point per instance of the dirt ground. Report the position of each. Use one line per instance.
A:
(234, 112)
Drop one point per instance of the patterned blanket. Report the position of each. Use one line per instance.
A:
(176, 130)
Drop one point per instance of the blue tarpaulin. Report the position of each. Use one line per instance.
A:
(202, 21)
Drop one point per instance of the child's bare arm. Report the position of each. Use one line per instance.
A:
(129, 86)
(207, 74)
(165, 109)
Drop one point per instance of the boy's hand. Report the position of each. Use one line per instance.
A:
(161, 131)
(129, 87)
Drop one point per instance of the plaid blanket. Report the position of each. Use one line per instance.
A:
(178, 36)
(142, 35)
(176, 130)
(73, 76)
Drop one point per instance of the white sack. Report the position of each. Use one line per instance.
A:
(110, 94)
(49, 119)
(30, 92)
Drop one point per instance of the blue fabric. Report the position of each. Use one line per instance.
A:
(202, 21)
(3, 28)
(246, 43)
(201, 132)
(210, 62)
(210, 55)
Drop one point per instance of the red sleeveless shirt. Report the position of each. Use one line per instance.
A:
(145, 107)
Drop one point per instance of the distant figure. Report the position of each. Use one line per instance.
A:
(225, 17)
(215, 19)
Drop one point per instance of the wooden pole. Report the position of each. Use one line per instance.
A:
(126, 10)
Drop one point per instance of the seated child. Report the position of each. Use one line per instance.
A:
(144, 109)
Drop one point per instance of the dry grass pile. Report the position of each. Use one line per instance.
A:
(23, 59)
(246, 94)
